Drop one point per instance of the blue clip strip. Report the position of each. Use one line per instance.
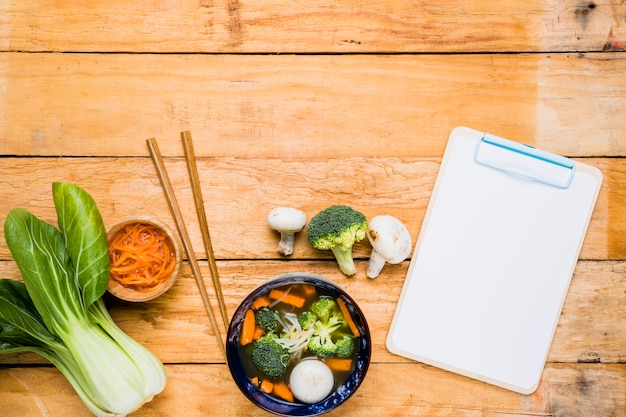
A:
(562, 180)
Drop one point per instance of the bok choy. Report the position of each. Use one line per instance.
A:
(57, 311)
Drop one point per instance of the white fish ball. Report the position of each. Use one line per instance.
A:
(311, 381)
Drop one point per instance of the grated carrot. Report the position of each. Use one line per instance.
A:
(141, 256)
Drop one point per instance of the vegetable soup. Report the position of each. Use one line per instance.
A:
(298, 326)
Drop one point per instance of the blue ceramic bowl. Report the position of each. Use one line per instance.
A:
(285, 408)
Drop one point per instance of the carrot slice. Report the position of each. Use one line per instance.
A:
(339, 364)
(255, 381)
(346, 315)
(266, 386)
(247, 328)
(262, 301)
(258, 332)
(281, 390)
(287, 297)
(308, 290)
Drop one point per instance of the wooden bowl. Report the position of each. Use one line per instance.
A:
(141, 293)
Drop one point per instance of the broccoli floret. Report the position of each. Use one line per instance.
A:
(267, 319)
(269, 356)
(323, 307)
(323, 347)
(337, 228)
(327, 338)
(306, 319)
(344, 347)
(321, 342)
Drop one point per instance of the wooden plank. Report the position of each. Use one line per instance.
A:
(316, 106)
(208, 390)
(309, 105)
(313, 26)
(239, 193)
(592, 328)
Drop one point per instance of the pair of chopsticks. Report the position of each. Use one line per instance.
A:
(157, 159)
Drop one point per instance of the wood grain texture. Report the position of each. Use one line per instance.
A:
(420, 391)
(308, 106)
(239, 193)
(591, 329)
(313, 26)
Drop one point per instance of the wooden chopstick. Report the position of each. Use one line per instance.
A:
(190, 158)
(182, 230)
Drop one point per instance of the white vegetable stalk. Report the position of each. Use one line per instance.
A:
(57, 311)
(108, 374)
(116, 375)
(111, 373)
(145, 364)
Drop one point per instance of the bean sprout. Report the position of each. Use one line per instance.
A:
(295, 338)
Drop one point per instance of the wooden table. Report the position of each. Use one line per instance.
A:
(309, 104)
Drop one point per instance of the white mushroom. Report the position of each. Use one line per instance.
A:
(391, 243)
(311, 381)
(287, 221)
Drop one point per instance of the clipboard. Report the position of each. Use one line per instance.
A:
(494, 259)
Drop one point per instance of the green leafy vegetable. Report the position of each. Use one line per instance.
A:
(58, 311)
(85, 240)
